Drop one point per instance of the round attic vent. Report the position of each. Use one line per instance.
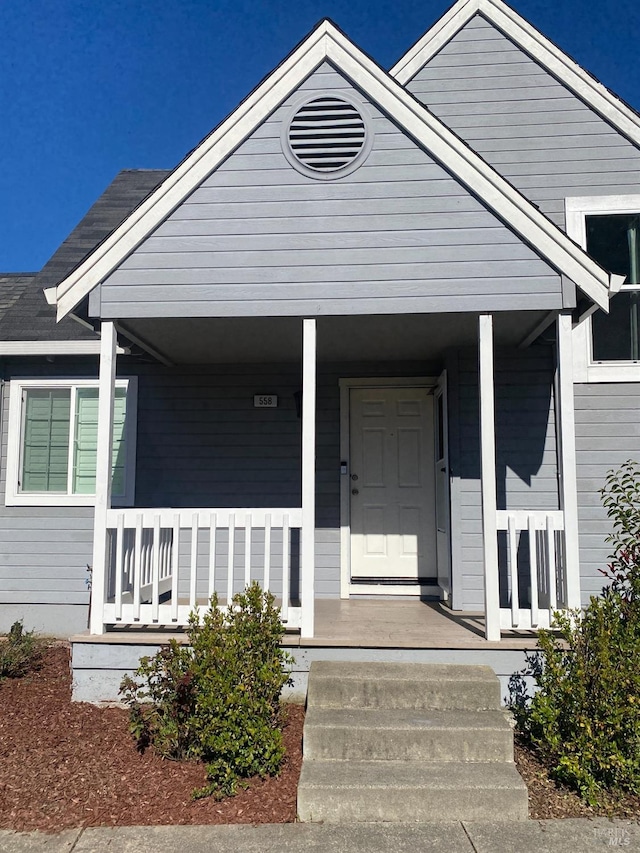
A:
(327, 136)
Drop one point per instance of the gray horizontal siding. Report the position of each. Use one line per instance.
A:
(200, 443)
(529, 126)
(44, 551)
(217, 450)
(526, 466)
(397, 235)
(607, 434)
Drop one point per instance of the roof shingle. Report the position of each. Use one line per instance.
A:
(24, 312)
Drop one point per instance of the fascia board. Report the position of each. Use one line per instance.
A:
(531, 40)
(46, 348)
(327, 42)
(444, 29)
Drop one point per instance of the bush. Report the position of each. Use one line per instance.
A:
(585, 718)
(20, 652)
(217, 699)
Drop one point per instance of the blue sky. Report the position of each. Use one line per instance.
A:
(89, 87)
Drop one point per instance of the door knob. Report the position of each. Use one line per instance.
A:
(354, 476)
(355, 492)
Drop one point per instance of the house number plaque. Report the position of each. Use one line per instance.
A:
(265, 401)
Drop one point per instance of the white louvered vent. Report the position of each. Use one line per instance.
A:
(327, 134)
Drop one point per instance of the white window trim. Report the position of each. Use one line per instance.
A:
(585, 369)
(13, 496)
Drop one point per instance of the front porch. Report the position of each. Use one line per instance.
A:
(364, 630)
(200, 552)
(153, 564)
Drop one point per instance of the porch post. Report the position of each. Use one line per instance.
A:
(488, 477)
(566, 437)
(106, 393)
(307, 544)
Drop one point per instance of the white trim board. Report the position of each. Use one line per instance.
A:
(39, 348)
(326, 42)
(346, 587)
(585, 369)
(533, 42)
(566, 443)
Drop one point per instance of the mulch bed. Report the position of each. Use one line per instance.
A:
(65, 764)
(548, 799)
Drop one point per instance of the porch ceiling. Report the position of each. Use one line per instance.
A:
(353, 338)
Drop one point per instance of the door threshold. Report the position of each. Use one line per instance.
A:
(427, 581)
(413, 589)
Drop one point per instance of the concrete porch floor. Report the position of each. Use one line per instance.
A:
(364, 624)
(403, 624)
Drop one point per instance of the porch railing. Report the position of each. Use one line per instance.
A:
(161, 563)
(532, 571)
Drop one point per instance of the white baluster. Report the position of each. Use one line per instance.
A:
(155, 587)
(533, 570)
(247, 550)
(267, 552)
(193, 577)
(231, 556)
(119, 564)
(513, 568)
(137, 566)
(285, 567)
(212, 555)
(551, 550)
(175, 567)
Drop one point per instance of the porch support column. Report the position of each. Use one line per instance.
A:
(488, 477)
(307, 543)
(106, 393)
(566, 437)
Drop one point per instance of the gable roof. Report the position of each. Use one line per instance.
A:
(120, 198)
(12, 286)
(327, 42)
(532, 41)
(25, 315)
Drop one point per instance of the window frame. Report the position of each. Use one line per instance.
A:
(585, 369)
(15, 435)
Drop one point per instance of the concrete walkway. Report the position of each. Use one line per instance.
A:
(551, 836)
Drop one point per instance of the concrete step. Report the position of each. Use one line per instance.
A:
(376, 735)
(367, 791)
(343, 684)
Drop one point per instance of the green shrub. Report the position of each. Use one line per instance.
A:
(585, 718)
(20, 652)
(217, 699)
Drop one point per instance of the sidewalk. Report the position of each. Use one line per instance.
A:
(551, 836)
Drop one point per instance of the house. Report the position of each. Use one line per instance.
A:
(375, 339)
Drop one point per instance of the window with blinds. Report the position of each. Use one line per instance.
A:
(59, 429)
(86, 439)
(45, 455)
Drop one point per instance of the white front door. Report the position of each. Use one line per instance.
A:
(392, 489)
